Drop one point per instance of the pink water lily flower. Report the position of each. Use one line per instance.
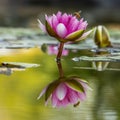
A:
(70, 90)
(65, 27)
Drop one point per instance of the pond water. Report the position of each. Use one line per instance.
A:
(20, 89)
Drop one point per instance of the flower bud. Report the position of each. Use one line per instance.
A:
(100, 66)
(101, 37)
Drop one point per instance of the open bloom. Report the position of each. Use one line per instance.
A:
(65, 91)
(65, 27)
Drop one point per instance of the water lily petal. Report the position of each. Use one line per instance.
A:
(42, 93)
(61, 91)
(63, 103)
(42, 27)
(49, 20)
(74, 25)
(61, 30)
(54, 22)
(54, 99)
(83, 25)
(64, 19)
(70, 23)
(82, 96)
(73, 97)
(59, 14)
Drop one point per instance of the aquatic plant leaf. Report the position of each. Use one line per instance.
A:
(17, 65)
(98, 58)
(12, 38)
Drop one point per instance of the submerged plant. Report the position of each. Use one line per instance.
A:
(64, 91)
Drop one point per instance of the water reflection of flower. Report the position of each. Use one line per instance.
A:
(53, 49)
(64, 91)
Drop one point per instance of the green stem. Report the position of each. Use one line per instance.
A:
(60, 49)
(58, 59)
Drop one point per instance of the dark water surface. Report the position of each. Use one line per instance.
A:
(19, 91)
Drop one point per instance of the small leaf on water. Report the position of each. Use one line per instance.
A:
(98, 58)
(74, 84)
(17, 65)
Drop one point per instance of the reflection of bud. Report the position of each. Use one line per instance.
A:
(65, 91)
(100, 66)
(101, 37)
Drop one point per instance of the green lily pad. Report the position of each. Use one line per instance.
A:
(14, 38)
(17, 65)
(98, 58)
(7, 68)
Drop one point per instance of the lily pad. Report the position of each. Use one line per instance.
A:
(7, 68)
(28, 38)
(98, 58)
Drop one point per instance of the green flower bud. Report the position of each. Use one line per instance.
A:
(101, 37)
